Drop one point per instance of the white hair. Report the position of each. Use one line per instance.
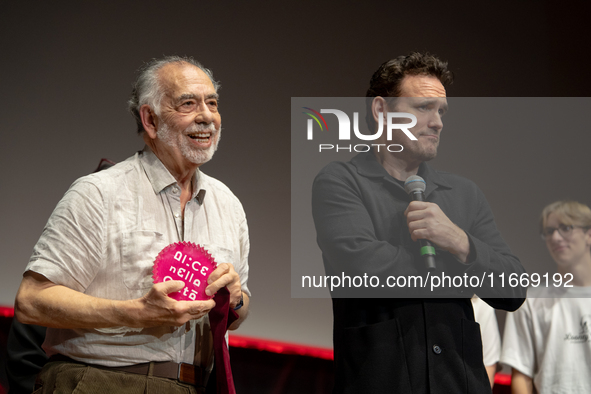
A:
(147, 89)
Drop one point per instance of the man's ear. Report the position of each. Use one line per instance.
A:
(379, 106)
(149, 120)
(588, 237)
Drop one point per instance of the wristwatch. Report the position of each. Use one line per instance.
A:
(241, 303)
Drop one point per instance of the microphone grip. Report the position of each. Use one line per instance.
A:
(427, 248)
(418, 196)
(428, 253)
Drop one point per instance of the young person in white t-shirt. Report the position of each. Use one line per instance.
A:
(485, 315)
(547, 342)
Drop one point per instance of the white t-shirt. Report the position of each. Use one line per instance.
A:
(548, 339)
(484, 315)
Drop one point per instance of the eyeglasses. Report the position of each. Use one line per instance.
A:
(564, 230)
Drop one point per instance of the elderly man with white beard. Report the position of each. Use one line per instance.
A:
(89, 280)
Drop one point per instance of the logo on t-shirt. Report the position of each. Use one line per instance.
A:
(583, 335)
(585, 324)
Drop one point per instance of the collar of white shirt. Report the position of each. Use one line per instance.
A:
(161, 178)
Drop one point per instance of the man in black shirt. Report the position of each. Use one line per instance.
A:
(366, 223)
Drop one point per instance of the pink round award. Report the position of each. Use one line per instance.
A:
(186, 262)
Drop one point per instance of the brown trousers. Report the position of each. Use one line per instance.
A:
(64, 377)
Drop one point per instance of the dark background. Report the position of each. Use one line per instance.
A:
(66, 70)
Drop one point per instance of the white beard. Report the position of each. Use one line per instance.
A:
(190, 152)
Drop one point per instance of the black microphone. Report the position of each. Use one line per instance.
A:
(415, 186)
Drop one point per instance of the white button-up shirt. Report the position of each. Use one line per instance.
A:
(103, 237)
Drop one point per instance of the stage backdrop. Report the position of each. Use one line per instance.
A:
(67, 69)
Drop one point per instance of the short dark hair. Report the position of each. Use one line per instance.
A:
(147, 89)
(386, 81)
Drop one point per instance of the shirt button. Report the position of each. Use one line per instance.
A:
(436, 349)
(176, 215)
(175, 190)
